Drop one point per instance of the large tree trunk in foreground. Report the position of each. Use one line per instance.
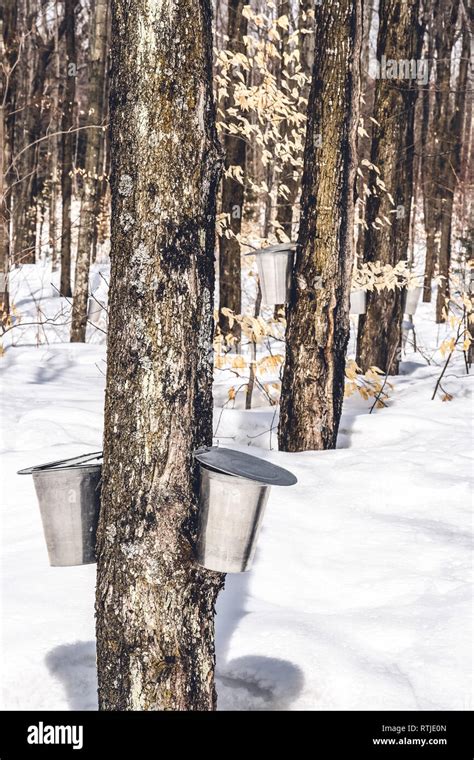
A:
(67, 145)
(155, 606)
(379, 335)
(232, 191)
(96, 61)
(318, 312)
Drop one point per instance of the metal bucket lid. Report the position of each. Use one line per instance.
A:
(242, 465)
(62, 464)
(280, 248)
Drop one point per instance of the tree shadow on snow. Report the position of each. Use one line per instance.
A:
(245, 683)
(75, 666)
(252, 682)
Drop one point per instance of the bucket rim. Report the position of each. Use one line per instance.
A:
(287, 249)
(229, 476)
(49, 470)
(72, 463)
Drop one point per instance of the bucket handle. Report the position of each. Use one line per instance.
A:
(51, 465)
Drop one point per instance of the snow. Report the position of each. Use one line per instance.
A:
(360, 594)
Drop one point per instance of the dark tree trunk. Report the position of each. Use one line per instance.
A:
(6, 33)
(285, 200)
(379, 334)
(155, 606)
(68, 142)
(428, 147)
(4, 244)
(96, 60)
(232, 191)
(318, 312)
(451, 165)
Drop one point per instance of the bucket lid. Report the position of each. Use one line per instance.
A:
(280, 248)
(232, 462)
(62, 463)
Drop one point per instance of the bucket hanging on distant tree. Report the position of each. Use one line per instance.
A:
(275, 265)
(358, 302)
(68, 494)
(410, 299)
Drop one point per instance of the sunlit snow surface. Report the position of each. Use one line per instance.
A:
(360, 594)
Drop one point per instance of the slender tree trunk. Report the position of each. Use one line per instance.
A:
(452, 146)
(428, 147)
(4, 244)
(318, 312)
(8, 56)
(67, 145)
(379, 334)
(285, 200)
(55, 193)
(155, 605)
(306, 41)
(96, 61)
(232, 192)
(366, 111)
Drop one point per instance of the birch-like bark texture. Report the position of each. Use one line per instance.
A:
(154, 605)
(399, 39)
(318, 312)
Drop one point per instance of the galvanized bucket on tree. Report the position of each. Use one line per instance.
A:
(68, 494)
(96, 312)
(233, 494)
(274, 266)
(410, 299)
(407, 328)
(358, 302)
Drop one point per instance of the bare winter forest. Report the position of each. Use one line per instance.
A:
(247, 226)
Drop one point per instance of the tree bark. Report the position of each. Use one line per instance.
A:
(4, 244)
(96, 60)
(399, 39)
(451, 164)
(430, 217)
(232, 192)
(318, 312)
(67, 145)
(154, 605)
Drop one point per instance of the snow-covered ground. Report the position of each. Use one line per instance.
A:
(360, 594)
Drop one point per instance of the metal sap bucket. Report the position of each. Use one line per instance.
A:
(410, 299)
(234, 490)
(275, 265)
(68, 494)
(407, 328)
(358, 302)
(96, 311)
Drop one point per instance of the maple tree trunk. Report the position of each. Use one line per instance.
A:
(67, 145)
(232, 192)
(428, 148)
(318, 311)
(87, 231)
(154, 604)
(379, 334)
(452, 147)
